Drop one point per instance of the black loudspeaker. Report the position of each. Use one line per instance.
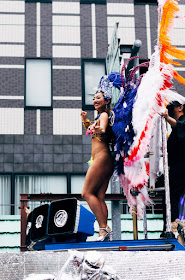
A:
(62, 221)
(37, 224)
(62, 217)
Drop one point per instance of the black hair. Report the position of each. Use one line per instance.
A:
(170, 108)
(183, 108)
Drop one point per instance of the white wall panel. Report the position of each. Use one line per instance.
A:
(12, 33)
(67, 121)
(15, 66)
(66, 98)
(177, 37)
(93, 18)
(178, 30)
(182, 9)
(120, 9)
(11, 19)
(72, 67)
(126, 29)
(11, 97)
(11, 120)
(148, 30)
(38, 29)
(11, 27)
(11, 50)
(12, 6)
(66, 51)
(66, 20)
(66, 29)
(70, 35)
(66, 7)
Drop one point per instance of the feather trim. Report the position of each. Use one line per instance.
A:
(153, 95)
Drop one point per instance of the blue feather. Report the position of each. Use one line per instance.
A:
(122, 127)
(115, 78)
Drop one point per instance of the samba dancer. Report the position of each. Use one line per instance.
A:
(101, 163)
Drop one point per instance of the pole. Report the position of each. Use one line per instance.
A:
(135, 231)
(134, 52)
(145, 223)
(24, 200)
(116, 213)
(166, 178)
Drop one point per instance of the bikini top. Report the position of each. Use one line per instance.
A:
(107, 136)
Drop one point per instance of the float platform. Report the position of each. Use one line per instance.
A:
(162, 244)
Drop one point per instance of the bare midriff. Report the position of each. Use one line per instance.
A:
(99, 148)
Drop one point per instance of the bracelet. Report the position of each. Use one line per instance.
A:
(86, 123)
(87, 120)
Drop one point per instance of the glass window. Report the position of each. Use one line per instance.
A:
(77, 183)
(92, 71)
(38, 184)
(38, 85)
(143, 70)
(5, 197)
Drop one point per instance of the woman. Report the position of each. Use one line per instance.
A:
(101, 168)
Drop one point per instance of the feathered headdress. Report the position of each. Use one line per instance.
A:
(107, 82)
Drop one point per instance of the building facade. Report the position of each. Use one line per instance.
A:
(52, 54)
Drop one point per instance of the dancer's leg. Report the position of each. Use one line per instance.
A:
(96, 176)
(92, 183)
(101, 196)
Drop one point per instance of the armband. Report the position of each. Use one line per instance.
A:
(86, 123)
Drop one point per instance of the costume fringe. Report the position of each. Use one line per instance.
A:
(153, 95)
(122, 127)
(149, 98)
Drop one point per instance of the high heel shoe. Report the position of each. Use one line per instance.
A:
(105, 237)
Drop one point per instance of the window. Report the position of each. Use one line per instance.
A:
(38, 83)
(143, 70)
(92, 71)
(77, 183)
(93, 1)
(5, 197)
(31, 184)
(41, 1)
